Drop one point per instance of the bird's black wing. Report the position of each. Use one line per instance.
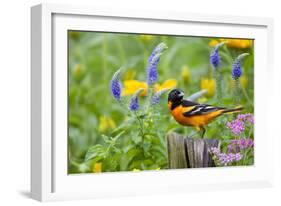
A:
(187, 103)
(199, 109)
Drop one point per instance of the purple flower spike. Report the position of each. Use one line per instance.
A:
(156, 97)
(153, 60)
(215, 60)
(134, 103)
(115, 85)
(237, 67)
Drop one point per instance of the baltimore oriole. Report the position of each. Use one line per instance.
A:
(188, 113)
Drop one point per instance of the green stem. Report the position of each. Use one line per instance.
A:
(236, 92)
(148, 99)
(218, 76)
(142, 132)
(245, 154)
(140, 124)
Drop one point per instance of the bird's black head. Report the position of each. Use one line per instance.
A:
(176, 95)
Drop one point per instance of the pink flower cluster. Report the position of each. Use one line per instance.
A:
(237, 126)
(224, 158)
(241, 144)
(246, 118)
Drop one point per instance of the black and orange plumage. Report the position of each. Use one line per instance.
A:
(188, 113)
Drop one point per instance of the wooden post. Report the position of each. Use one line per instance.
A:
(176, 151)
(189, 152)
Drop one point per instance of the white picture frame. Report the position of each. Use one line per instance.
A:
(49, 178)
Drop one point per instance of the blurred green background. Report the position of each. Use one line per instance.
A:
(93, 59)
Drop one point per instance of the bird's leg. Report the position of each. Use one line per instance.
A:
(204, 130)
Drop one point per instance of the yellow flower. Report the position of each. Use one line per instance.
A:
(185, 74)
(106, 123)
(146, 37)
(233, 43)
(168, 84)
(136, 170)
(131, 86)
(244, 81)
(209, 85)
(97, 167)
(213, 43)
(238, 43)
(129, 74)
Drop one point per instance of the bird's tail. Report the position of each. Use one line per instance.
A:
(234, 110)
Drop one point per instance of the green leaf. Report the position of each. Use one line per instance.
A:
(136, 138)
(106, 139)
(118, 135)
(146, 147)
(128, 157)
(95, 152)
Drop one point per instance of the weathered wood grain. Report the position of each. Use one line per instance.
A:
(176, 151)
(189, 152)
(198, 150)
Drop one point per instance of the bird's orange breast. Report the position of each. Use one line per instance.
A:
(180, 118)
(196, 120)
(177, 113)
